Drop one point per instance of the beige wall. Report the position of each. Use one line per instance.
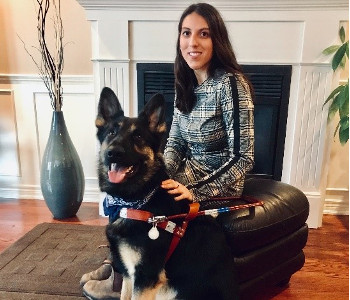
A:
(337, 192)
(18, 17)
(338, 172)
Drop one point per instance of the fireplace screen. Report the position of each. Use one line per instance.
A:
(271, 85)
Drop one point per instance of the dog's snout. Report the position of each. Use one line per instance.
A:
(115, 153)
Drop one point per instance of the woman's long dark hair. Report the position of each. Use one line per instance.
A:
(223, 56)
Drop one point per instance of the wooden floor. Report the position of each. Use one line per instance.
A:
(325, 274)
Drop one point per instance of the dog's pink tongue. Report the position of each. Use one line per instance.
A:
(116, 176)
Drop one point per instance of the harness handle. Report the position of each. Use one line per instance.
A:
(252, 202)
(194, 208)
(179, 232)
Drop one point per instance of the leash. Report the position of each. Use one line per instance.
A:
(178, 231)
(215, 211)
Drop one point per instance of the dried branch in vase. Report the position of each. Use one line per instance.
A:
(51, 64)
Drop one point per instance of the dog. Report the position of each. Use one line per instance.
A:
(131, 168)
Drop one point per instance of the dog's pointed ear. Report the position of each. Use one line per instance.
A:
(108, 107)
(154, 113)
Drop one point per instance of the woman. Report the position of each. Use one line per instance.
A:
(211, 142)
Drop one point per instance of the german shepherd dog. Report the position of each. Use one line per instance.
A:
(131, 167)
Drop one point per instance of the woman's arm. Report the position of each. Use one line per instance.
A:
(175, 149)
(238, 116)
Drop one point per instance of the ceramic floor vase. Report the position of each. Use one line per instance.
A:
(62, 178)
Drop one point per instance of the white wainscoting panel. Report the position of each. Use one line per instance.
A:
(311, 125)
(308, 122)
(9, 158)
(26, 113)
(113, 74)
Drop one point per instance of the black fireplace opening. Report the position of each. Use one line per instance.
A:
(271, 86)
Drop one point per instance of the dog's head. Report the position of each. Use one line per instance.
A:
(130, 153)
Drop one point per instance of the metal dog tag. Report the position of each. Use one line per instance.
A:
(153, 234)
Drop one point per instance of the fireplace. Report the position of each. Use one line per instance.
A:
(278, 33)
(271, 85)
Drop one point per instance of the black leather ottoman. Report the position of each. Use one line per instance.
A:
(267, 241)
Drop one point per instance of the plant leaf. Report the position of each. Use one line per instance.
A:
(330, 49)
(338, 56)
(333, 93)
(347, 49)
(333, 108)
(344, 106)
(344, 123)
(343, 137)
(342, 96)
(343, 62)
(344, 109)
(344, 130)
(342, 34)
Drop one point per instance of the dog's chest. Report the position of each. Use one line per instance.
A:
(130, 257)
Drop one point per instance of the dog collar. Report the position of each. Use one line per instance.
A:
(123, 202)
(112, 204)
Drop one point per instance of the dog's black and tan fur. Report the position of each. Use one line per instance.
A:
(201, 266)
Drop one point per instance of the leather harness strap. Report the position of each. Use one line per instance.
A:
(179, 231)
(164, 222)
(135, 214)
(161, 222)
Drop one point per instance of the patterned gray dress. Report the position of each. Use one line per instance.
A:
(212, 148)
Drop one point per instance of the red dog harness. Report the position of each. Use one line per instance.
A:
(178, 231)
(163, 223)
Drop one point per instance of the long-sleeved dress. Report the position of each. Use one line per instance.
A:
(211, 149)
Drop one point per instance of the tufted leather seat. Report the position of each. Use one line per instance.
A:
(267, 241)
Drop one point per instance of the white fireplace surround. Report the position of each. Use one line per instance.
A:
(291, 32)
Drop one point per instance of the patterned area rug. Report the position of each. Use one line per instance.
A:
(48, 262)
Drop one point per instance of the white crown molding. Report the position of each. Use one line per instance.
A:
(222, 5)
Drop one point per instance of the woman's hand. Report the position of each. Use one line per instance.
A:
(175, 188)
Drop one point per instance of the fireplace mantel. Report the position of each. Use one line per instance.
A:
(280, 32)
(219, 4)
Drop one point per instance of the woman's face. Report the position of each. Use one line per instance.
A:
(196, 45)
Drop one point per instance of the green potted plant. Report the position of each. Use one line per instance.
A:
(339, 97)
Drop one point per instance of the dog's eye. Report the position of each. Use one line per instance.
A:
(137, 136)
